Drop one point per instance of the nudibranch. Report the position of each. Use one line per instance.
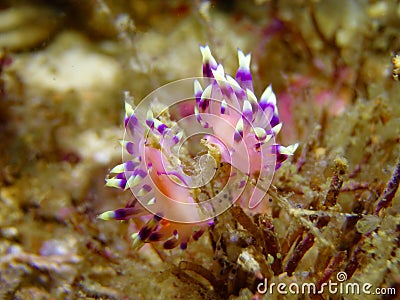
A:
(170, 200)
(150, 173)
(245, 128)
